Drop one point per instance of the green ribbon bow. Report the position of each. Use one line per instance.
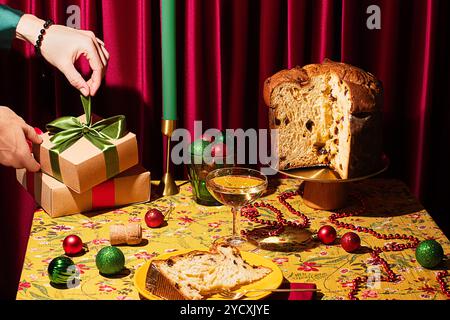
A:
(66, 131)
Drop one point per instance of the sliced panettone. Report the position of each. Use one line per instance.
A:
(199, 274)
(326, 114)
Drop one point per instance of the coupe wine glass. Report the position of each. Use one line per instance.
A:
(236, 187)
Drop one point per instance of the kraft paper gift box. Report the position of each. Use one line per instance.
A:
(82, 154)
(131, 186)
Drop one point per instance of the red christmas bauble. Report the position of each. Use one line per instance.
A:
(72, 245)
(350, 242)
(154, 218)
(326, 234)
(219, 149)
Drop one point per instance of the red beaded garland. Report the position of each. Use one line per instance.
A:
(391, 276)
(251, 213)
(444, 286)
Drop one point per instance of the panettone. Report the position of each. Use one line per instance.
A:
(326, 114)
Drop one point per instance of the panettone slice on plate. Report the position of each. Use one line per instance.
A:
(199, 274)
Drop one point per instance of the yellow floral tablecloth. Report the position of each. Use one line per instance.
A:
(390, 209)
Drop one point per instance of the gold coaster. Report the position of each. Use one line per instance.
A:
(290, 240)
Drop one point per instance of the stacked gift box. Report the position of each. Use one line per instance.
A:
(87, 164)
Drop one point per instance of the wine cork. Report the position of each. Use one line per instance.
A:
(125, 234)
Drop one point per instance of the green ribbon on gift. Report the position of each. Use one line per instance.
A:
(66, 131)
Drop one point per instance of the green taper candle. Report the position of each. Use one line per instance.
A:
(169, 69)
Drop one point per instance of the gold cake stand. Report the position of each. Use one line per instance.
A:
(324, 189)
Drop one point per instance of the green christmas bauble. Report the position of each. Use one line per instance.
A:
(198, 146)
(429, 253)
(110, 260)
(60, 270)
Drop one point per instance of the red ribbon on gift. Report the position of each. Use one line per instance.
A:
(30, 183)
(104, 195)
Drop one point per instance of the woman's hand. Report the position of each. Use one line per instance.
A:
(14, 149)
(62, 46)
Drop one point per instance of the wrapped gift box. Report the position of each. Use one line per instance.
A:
(83, 165)
(131, 186)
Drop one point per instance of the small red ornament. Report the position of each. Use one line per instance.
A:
(219, 149)
(72, 245)
(154, 218)
(326, 234)
(350, 242)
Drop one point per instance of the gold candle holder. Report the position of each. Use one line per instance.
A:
(167, 186)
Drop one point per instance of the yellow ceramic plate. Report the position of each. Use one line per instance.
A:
(272, 281)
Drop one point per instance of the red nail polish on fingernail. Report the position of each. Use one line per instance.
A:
(38, 131)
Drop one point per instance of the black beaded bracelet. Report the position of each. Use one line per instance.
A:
(37, 46)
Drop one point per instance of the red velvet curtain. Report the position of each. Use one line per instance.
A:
(226, 48)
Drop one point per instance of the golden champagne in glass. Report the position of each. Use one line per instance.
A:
(236, 187)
